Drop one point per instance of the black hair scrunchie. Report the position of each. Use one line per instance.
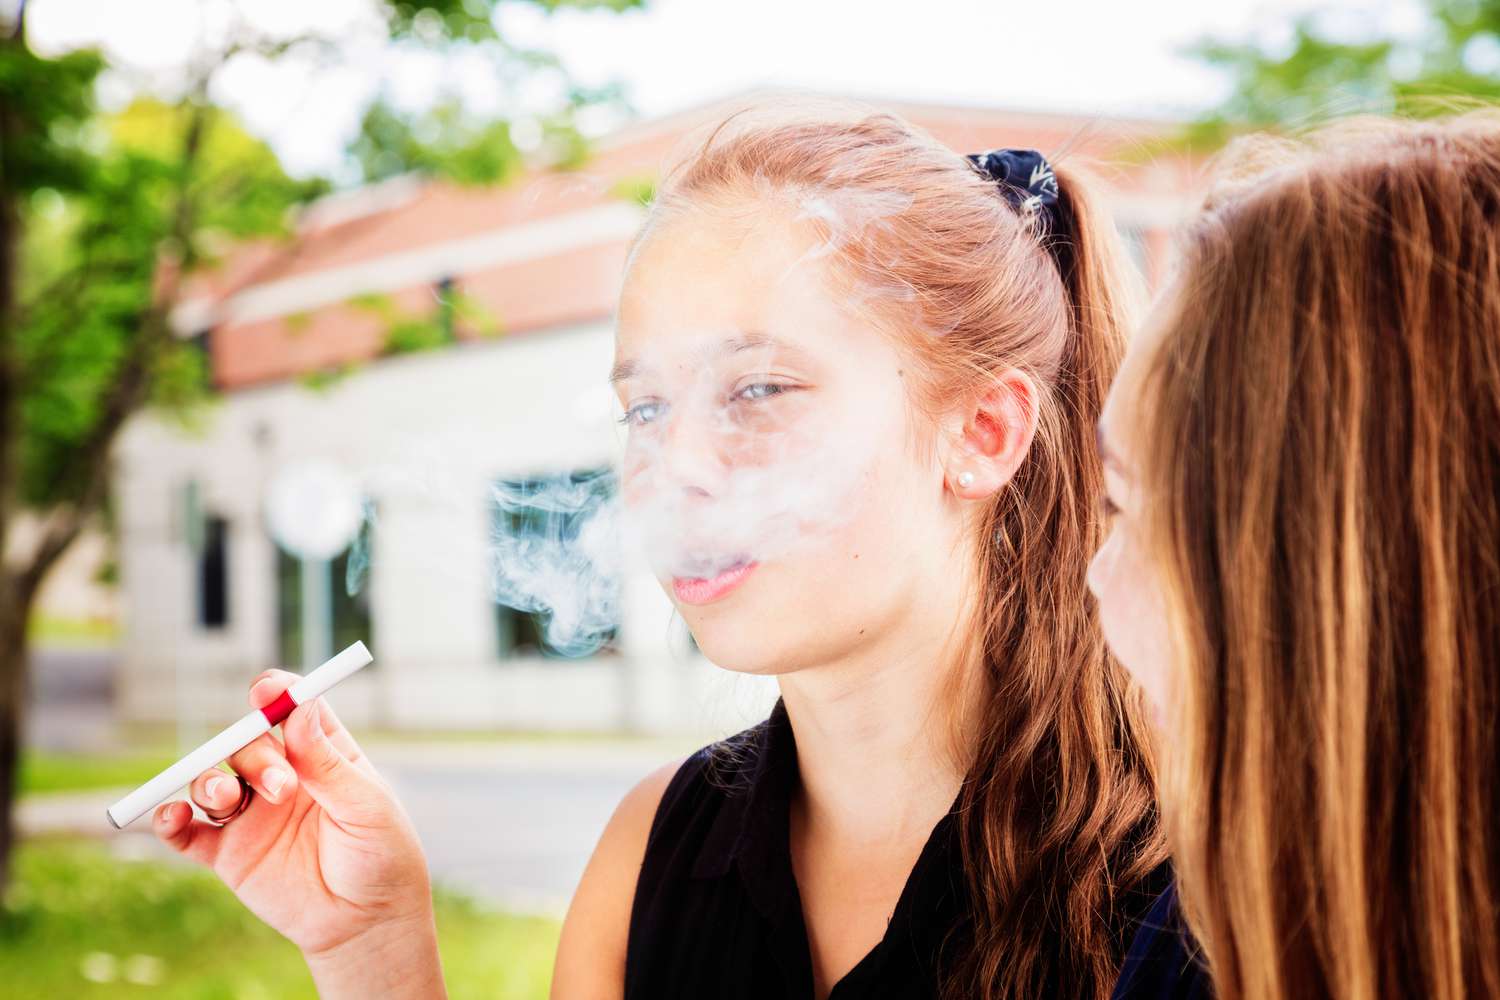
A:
(1024, 177)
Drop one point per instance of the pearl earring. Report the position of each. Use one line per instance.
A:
(966, 479)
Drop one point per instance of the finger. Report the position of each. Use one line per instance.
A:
(267, 687)
(348, 793)
(217, 793)
(263, 763)
(174, 825)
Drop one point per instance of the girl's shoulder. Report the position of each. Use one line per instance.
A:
(703, 783)
(1163, 961)
(592, 949)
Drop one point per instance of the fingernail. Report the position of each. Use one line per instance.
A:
(213, 784)
(273, 779)
(317, 719)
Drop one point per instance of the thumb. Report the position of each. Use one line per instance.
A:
(346, 792)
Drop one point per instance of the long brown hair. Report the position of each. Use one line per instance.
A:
(1058, 823)
(1319, 456)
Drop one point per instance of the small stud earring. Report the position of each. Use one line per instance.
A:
(966, 479)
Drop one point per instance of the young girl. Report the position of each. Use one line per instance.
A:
(860, 375)
(1305, 569)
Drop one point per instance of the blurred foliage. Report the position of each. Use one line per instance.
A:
(237, 185)
(79, 923)
(450, 142)
(323, 379)
(473, 20)
(640, 188)
(88, 278)
(408, 331)
(54, 631)
(49, 102)
(1330, 67)
(444, 141)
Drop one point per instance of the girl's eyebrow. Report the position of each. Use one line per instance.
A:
(748, 341)
(623, 371)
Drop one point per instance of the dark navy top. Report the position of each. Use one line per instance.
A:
(717, 914)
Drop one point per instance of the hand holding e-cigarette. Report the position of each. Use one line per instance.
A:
(326, 855)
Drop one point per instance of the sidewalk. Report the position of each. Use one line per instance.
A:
(83, 812)
(510, 823)
(70, 812)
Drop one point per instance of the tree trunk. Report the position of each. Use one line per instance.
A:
(14, 610)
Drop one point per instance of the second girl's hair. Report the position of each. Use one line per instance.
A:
(1058, 827)
(1318, 446)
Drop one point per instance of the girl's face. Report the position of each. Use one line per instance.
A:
(1131, 610)
(772, 467)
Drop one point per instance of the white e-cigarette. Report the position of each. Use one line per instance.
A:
(237, 736)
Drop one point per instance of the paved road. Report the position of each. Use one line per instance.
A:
(516, 823)
(513, 823)
(72, 693)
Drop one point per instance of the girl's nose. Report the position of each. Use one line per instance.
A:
(692, 456)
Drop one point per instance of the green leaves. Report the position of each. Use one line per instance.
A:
(442, 142)
(434, 21)
(152, 200)
(1323, 73)
(44, 104)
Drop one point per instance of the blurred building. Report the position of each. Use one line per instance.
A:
(209, 599)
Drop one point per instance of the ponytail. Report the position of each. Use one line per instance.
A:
(1058, 810)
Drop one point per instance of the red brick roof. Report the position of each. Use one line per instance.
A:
(545, 250)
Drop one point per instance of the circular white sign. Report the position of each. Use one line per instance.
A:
(313, 509)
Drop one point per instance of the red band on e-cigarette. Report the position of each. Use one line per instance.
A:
(279, 709)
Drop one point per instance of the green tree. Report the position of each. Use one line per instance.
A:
(1325, 69)
(102, 218)
(449, 142)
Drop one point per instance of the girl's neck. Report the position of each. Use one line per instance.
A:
(878, 751)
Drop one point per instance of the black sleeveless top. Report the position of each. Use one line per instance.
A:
(717, 914)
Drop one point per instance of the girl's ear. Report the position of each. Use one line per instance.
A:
(986, 440)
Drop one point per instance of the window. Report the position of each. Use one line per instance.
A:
(206, 536)
(538, 557)
(349, 613)
(213, 573)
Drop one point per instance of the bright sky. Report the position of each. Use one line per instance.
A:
(1090, 55)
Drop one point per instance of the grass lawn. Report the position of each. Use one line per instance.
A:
(49, 630)
(79, 923)
(42, 771)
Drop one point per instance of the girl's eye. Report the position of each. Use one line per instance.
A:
(643, 413)
(760, 390)
(1109, 507)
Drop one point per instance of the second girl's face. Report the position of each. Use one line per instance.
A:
(1132, 612)
(770, 465)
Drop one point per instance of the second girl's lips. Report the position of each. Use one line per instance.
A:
(701, 590)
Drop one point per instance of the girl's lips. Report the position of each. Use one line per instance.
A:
(698, 590)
